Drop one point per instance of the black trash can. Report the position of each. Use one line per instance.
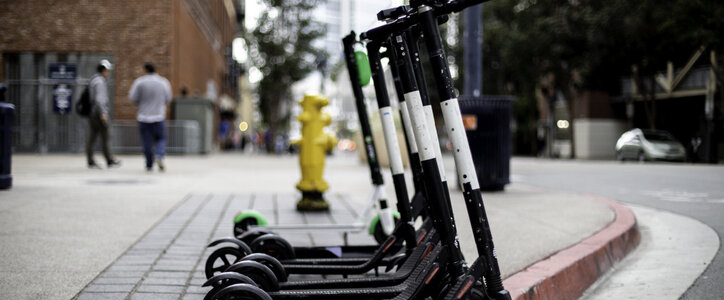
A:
(7, 111)
(487, 124)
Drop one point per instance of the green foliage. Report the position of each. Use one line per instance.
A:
(283, 48)
(525, 39)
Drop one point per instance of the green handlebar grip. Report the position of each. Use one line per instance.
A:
(363, 67)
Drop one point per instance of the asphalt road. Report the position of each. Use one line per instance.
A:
(696, 191)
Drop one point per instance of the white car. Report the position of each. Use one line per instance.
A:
(645, 145)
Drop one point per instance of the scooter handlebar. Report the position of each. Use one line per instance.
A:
(393, 13)
(458, 5)
(405, 16)
(383, 32)
(446, 7)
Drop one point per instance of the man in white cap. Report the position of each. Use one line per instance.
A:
(98, 118)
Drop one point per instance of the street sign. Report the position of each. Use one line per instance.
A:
(62, 98)
(62, 71)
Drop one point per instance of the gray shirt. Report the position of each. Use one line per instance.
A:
(150, 93)
(98, 92)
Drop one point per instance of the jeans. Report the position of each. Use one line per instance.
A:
(153, 135)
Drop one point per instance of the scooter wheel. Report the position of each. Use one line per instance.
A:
(240, 291)
(261, 274)
(246, 218)
(274, 246)
(270, 262)
(241, 246)
(378, 232)
(250, 235)
(225, 279)
(221, 259)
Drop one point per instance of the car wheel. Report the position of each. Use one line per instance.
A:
(642, 157)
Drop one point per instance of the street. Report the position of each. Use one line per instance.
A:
(696, 191)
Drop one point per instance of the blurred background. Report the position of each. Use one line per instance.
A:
(581, 72)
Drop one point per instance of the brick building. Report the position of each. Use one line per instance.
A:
(189, 41)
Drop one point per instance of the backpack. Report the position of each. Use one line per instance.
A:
(84, 105)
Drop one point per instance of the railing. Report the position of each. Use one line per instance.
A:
(182, 137)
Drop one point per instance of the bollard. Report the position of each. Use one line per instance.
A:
(7, 111)
(313, 146)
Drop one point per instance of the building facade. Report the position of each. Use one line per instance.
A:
(189, 41)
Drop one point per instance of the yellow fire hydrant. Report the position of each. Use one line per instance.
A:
(313, 146)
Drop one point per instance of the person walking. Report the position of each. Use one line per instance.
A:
(151, 93)
(98, 118)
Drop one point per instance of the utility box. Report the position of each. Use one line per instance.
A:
(487, 125)
(200, 110)
(7, 111)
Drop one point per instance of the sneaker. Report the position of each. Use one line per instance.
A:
(161, 165)
(94, 166)
(114, 163)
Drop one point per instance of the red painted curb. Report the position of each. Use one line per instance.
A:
(569, 272)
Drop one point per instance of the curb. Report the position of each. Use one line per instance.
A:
(569, 272)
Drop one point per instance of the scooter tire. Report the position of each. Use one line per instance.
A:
(274, 246)
(227, 256)
(261, 274)
(241, 291)
(270, 262)
(250, 235)
(223, 280)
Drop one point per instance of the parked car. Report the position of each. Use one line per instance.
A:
(642, 144)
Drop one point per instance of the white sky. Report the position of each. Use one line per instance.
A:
(366, 14)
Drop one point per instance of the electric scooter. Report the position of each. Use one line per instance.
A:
(408, 261)
(411, 266)
(487, 263)
(463, 281)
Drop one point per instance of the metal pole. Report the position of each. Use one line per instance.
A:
(473, 51)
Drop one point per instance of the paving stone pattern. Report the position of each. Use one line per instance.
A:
(168, 261)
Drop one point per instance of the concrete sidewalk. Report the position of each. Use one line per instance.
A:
(61, 224)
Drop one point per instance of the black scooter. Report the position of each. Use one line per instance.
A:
(458, 281)
(406, 261)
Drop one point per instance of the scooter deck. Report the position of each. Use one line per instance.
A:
(402, 273)
(345, 269)
(349, 254)
(421, 277)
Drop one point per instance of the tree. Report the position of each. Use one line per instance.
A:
(283, 48)
(533, 48)
(579, 45)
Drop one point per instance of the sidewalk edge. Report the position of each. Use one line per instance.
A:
(569, 272)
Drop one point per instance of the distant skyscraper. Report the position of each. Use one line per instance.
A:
(342, 16)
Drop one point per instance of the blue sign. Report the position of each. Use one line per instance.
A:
(62, 98)
(62, 71)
